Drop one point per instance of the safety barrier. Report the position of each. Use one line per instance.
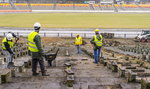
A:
(85, 35)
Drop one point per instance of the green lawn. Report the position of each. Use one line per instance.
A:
(76, 20)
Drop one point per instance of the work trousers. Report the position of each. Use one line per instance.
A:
(35, 63)
(97, 52)
(78, 49)
(9, 57)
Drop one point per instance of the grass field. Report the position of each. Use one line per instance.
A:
(76, 20)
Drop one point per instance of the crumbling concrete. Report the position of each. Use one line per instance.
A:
(83, 73)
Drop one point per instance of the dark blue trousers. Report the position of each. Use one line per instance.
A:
(97, 52)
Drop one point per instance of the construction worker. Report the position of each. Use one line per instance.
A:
(34, 45)
(78, 43)
(7, 45)
(97, 43)
(14, 36)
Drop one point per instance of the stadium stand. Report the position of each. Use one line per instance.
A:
(64, 7)
(82, 7)
(5, 6)
(46, 6)
(42, 6)
(22, 6)
(132, 7)
(96, 7)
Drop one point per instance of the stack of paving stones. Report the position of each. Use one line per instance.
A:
(142, 50)
(108, 35)
(69, 75)
(20, 50)
(112, 43)
(21, 61)
(133, 72)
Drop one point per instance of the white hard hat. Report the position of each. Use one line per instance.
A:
(37, 24)
(9, 36)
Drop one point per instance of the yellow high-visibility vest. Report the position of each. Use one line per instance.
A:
(31, 44)
(11, 43)
(98, 42)
(78, 41)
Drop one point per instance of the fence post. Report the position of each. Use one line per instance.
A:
(44, 34)
(84, 35)
(4, 34)
(124, 35)
(17, 33)
(58, 34)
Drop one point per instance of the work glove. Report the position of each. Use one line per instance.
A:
(17, 38)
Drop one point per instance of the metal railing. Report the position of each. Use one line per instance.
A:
(85, 35)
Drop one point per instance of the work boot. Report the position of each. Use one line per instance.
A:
(8, 66)
(35, 74)
(12, 64)
(94, 62)
(44, 74)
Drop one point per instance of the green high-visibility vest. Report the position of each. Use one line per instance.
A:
(31, 44)
(98, 42)
(11, 44)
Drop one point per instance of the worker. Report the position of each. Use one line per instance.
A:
(34, 45)
(7, 45)
(14, 36)
(78, 43)
(97, 43)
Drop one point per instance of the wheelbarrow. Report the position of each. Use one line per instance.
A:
(50, 57)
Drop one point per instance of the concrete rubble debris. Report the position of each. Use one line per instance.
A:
(77, 71)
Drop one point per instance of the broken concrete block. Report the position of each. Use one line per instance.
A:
(70, 80)
(121, 71)
(5, 75)
(109, 64)
(114, 67)
(69, 72)
(131, 77)
(68, 66)
(20, 66)
(27, 63)
(1, 60)
(105, 62)
(67, 53)
(13, 72)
